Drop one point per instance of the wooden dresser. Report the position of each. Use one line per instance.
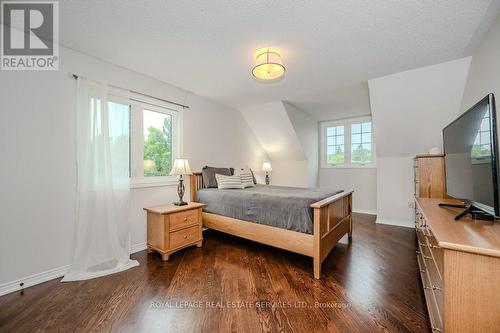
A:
(429, 177)
(460, 268)
(171, 228)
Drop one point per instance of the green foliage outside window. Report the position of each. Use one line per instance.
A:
(158, 150)
(361, 154)
(337, 157)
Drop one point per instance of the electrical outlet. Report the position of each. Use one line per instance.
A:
(411, 204)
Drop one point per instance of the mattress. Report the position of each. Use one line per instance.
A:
(277, 206)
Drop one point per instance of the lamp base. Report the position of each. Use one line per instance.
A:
(180, 192)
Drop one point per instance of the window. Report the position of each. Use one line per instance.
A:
(361, 142)
(155, 141)
(347, 143)
(335, 144)
(482, 146)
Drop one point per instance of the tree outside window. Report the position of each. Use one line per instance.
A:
(157, 144)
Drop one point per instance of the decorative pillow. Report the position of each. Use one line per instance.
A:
(208, 174)
(226, 182)
(246, 176)
(251, 171)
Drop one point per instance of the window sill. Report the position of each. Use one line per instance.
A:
(152, 183)
(349, 166)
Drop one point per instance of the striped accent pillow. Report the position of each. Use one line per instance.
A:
(227, 182)
(246, 176)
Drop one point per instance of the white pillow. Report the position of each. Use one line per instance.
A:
(246, 178)
(227, 182)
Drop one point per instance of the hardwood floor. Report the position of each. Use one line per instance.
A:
(369, 285)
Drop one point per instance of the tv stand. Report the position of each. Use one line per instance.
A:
(457, 261)
(476, 213)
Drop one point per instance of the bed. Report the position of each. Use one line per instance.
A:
(305, 221)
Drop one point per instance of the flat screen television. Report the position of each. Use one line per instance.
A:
(471, 158)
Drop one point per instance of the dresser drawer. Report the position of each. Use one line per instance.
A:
(183, 219)
(436, 284)
(425, 252)
(183, 237)
(437, 252)
(420, 237)
(435, 315)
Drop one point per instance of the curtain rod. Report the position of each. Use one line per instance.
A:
(146, 95)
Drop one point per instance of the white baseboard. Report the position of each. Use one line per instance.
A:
(399, 223)
(364, 211)
(31, 280)
(28, 281)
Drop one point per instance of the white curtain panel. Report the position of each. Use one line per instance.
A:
(102, 144)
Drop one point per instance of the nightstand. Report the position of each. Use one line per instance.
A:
(171, 228)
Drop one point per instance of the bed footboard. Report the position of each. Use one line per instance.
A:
(332, 220)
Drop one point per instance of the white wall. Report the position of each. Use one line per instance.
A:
(362, 180)
(395, 190)
(289, 136)
(37, 130)
(484, 73)
(409, 110)
(306, 129)
(274, 130)
(290, 173)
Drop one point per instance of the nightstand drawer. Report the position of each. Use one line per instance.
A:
(183, 219)
(185, 236)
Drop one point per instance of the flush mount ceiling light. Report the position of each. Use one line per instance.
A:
(269, 66)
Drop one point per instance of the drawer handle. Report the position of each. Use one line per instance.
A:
(434, 247)
(422, 244)
(436, 288)
(435, 329)
(185, 219)
(422, 271)
(417, 252)
(427, 287)
(427, 257)
(185, 236)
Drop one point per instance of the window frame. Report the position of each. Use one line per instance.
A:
(348, 164)
(484, 159)
(139, 103)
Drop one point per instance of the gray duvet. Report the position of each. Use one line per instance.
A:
(277, 206)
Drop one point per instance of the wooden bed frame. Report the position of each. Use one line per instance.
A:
(332, 220)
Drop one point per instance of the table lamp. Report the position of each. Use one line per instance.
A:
(181, 167)
(266, 166)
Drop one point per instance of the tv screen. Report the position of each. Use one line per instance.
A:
(470, 147)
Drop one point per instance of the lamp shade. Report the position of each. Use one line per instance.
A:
(181, 167)
(266, 166)
(268, 65)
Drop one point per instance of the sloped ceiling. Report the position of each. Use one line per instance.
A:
(410, 109)
(274, 130)
(328, 46)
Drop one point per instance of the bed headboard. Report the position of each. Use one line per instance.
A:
(195, 183)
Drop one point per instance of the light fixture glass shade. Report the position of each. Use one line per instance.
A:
(269, 65)
(181, 167)
(266, 166)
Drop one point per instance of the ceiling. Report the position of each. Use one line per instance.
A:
(330, 48)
